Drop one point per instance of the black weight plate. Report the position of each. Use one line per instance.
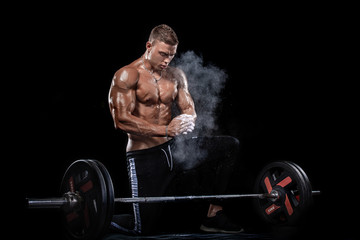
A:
(294, 188)
(307, 183)
(110, 192)
(87, 222)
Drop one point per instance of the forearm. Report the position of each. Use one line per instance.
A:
(137, 126)
(190, 112)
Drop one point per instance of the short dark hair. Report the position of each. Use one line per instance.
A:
(165, 34)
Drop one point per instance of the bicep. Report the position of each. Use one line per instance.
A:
(122, 100)
(185, 102)
(122, 94)
(184, 99)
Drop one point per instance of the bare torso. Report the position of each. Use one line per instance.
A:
(141, 105)
(153, 104)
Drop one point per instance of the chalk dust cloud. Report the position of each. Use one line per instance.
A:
(205, 82)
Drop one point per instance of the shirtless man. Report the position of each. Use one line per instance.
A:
(141, 97)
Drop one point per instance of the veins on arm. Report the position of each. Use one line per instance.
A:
(184, 99)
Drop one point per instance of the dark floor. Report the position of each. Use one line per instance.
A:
(187, 236)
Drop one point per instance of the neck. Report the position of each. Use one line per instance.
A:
(146, 62)
(147, 66)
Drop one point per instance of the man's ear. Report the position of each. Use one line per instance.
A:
(148, 46)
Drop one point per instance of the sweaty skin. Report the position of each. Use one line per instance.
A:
(141, 106)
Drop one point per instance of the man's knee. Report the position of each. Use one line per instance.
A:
(234, 142)
(231, 145)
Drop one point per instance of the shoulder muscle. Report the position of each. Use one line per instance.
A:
(126, 77)
(180, 77)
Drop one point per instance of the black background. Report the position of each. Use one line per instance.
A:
(287, 96)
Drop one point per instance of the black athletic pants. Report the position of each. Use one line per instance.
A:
(164, 170)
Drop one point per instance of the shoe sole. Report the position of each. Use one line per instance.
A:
(217, 230)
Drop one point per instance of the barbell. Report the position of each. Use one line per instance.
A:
(282, 195)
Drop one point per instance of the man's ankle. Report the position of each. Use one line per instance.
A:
(213, 209)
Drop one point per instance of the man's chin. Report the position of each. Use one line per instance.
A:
(162, 67)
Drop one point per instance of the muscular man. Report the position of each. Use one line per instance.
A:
(141, 98)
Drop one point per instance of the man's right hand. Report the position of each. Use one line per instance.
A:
(182, 124)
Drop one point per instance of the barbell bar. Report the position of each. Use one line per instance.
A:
(273, 195)
(59, 202)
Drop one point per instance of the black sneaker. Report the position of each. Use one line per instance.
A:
(220, 224)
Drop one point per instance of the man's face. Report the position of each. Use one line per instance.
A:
(160, 54)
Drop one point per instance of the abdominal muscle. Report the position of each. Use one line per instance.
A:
(159, 114)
